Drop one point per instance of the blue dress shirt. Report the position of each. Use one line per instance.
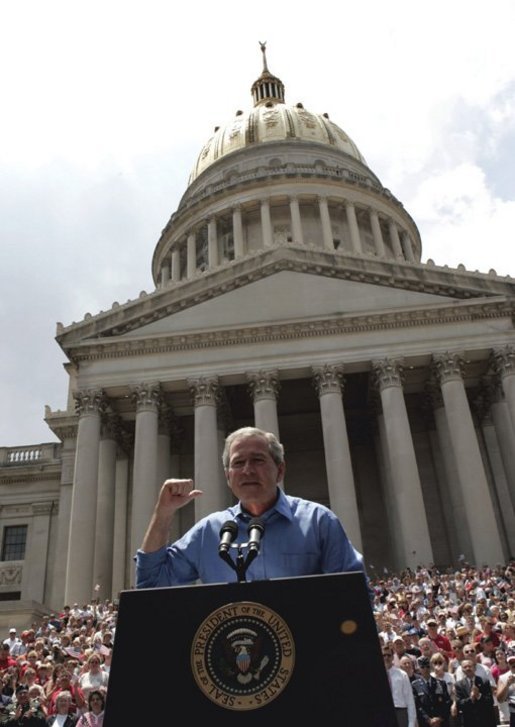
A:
(300, 538)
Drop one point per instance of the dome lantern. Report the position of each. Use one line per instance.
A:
(268, 88)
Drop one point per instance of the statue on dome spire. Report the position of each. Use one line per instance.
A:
(262, 45)
(268, 89)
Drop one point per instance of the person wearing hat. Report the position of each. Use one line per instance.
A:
(440, 642)
(16, 646)
(506, 687)
(432, 699)
(23, 713)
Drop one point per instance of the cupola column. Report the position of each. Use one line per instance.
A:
(176, 265)
(472, 480)
(396, 243)
(212, 243)
(165, 272)
(377, 234)
(191, 255)
(328, 380)
(266, 224)
(264, 388)
(407, 247)
(327, 232)
(413, 541)
(206, 393)
(296, 222)
(81, 548)
(353, 227)
(237, 231)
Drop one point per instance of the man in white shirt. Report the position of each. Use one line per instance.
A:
(402, 693)
(16, 645)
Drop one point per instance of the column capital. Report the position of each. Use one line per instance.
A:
(146, 396)
(387, 373)
(264, 384)
(328, 379)
(503, 361)
(448, 366)
(205, 390)
(89, 401)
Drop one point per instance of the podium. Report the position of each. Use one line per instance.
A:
(289, 648)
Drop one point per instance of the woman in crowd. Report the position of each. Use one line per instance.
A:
(94, 717)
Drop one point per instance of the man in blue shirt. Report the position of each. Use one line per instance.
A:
(300, 537)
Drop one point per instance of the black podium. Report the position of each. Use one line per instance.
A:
(290, 648)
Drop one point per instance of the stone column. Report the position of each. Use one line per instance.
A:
(68, 436)
(165, 273)
(396, 243)
(176, 265)
(81, 548)
(36, 557)
(264, 387)
(407, 247)
(176, 437)
(460, 539)
(506, 436)
(353, 227)
(191, 266)
(296, 222)
(499, 490)
(104, 527)
(377, 234)
(120, 561)
(486, 544)
(147, 397)
(212, 244)
(237, 231)
(327, 232)
(163, 469)
(503, 362)
(409, 502)
(266, 224)
(329, 383)
(205, 392)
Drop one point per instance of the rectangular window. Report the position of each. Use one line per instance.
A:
(14, 542)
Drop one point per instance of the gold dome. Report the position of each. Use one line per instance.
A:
(272, 120)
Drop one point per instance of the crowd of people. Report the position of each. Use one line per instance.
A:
(447, 639)
(56, 672)
(448, 643)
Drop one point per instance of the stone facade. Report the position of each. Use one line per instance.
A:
(290, 294)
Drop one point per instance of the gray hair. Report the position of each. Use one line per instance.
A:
(275, 447)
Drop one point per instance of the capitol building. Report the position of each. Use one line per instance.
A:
(290, 294)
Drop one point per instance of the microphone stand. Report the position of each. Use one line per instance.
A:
(242, 562)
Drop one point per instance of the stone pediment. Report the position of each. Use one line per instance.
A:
(284, 285)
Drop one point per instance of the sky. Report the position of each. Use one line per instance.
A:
(106, 105)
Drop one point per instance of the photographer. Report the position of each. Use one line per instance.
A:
(24, 713)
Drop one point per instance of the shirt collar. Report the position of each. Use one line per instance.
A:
(281, 506)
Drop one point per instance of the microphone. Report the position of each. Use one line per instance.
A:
(256, 530)
(228, 533)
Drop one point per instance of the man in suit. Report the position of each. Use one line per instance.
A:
(432, 699)
(474, 698)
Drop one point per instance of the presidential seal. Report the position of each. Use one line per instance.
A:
(242, 656)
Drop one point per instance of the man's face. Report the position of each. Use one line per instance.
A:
(252, 473)
(468, 667)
